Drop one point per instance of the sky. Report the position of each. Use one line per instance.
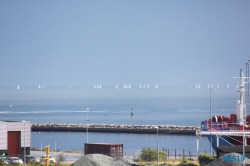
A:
(84, 42)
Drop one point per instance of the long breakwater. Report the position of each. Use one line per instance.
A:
(117, 128)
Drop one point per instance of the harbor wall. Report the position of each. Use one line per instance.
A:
(137, 129)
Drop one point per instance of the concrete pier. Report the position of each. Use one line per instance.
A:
(117, 128)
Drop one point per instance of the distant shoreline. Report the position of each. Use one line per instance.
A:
(115, 128)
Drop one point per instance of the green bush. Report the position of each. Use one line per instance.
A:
(204, 159)
(186, 162)
(148, 154)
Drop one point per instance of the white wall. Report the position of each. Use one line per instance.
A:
(25, 129)
(3, 135)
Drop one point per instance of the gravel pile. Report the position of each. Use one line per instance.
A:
(220, 161)
(102, 160)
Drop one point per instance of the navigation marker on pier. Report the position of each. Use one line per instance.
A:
(132, 115)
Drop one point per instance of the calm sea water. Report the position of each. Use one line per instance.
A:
(162, 106)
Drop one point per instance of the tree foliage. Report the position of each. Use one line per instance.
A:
(149, 154)
(60, 158)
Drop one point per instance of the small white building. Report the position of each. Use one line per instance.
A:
(14, 137)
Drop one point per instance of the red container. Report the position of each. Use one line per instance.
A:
(109, 149)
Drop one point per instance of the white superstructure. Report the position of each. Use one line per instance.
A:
(241, 106)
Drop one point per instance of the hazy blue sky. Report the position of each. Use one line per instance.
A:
(108, 42)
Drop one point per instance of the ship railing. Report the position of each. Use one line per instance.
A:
(216, 126)
(229, 130)
(221, 126)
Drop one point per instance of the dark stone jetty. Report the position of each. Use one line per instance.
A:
(117, 128)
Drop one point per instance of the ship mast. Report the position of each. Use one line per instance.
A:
(247, 89)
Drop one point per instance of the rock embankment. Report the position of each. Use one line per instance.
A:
(168, 129)
(118, 126)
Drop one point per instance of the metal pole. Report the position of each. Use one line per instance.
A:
(210, 123)
(175, 153)
(218, 139)
(157, 148)
(197, 138)
(168, 153)
(55, 148)
(87, 124)
(41, 148)
(156, 127)
(211, 126)
(244, 137)
(24, 151)
(11, 111)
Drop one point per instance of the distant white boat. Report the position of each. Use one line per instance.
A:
(227, 85)
(198, 86)
(18, 87)
(125, 86)
(156, 86)
(116, 86)
(148, 86)
(140, 86)
(98, 86)
(39, 87)
(129, 86)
